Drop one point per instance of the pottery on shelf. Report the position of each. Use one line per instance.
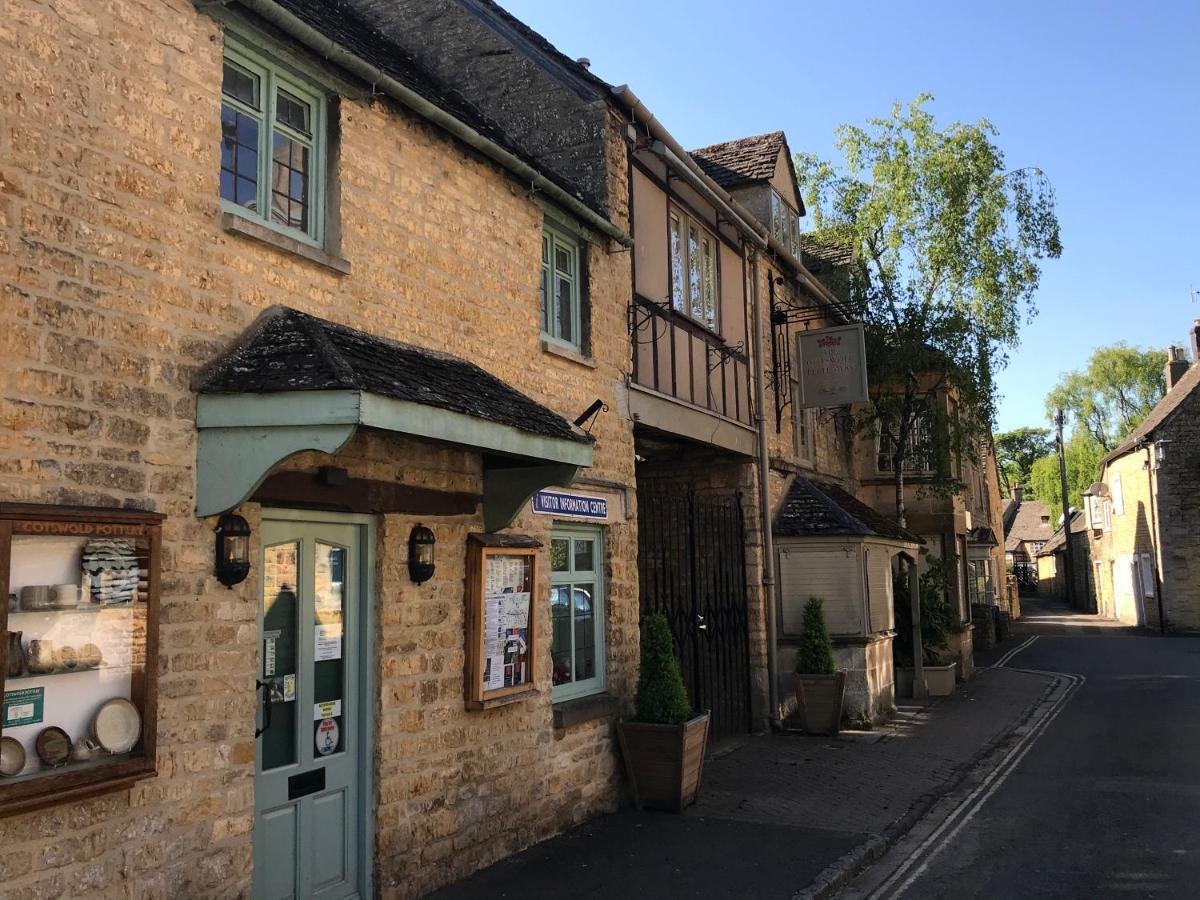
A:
(40, 658)
(16, 655)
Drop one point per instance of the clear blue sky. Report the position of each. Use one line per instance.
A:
(1105, 97)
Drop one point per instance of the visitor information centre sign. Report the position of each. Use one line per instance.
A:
(558, 503)
(831, 366)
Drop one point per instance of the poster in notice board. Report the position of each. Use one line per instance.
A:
(500, 618)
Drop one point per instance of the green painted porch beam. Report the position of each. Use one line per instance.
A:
(507, 490)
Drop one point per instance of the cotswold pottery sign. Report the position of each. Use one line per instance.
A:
(558, 503)
(832, 366)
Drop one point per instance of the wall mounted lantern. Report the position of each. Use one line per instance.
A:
(420, 554)
(233, 550)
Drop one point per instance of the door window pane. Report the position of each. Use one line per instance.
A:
(559, 561)
(585, 551)
(277, 717)
(329, 641)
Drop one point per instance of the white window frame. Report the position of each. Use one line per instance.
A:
(785, 223)
(1108, 513)
(553, 240)
(273, 77)
(572, 531)
(1118, 497)
(684, 297)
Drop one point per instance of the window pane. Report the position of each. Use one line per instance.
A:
(710, 285)
(563, 261)
(558, 555)
(240, 84)
(694, 274)
(585, 551)
(585, 631)
(293, 112)
(677, 282)
(560, 618)
(329, 573)
(280, 623)
(289, 183)
(566, 311)
(544, 290)
(239, 157)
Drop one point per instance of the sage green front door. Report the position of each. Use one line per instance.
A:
(307, 828)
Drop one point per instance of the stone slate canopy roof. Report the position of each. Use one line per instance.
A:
(744, 161)
(825, 510)
(287, 350)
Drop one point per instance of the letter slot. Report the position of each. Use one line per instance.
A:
(306, 783)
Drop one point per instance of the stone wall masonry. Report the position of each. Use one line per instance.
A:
(117, 282)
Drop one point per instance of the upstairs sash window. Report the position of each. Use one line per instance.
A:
(562, 306)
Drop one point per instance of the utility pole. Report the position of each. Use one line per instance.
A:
(1062, 483)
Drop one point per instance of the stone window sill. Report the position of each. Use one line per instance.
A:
(583, 709)
(573, 355)
(239, 225)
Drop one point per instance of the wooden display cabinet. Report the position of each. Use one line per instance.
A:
(500, 619)
(80, 586)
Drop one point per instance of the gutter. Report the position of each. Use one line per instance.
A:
(339, 55)
(667, 147)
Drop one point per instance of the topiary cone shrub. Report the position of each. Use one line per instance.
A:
(815, 656)
(663, 747)
(820, 687)
(661, 695)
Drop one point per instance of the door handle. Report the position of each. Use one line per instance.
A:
(265, 686)
(701, 625)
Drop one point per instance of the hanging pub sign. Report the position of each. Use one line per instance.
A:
(831, 366)
(576, 506)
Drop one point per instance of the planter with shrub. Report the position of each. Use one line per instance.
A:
(664, 746)
(820, 687)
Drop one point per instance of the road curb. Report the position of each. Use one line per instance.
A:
(847, 867)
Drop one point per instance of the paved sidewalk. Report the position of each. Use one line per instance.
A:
(777, 811)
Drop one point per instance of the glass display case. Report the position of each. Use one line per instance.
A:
(79, 652)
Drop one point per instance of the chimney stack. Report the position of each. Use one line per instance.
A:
(1177, 363)
(1195, 341)
(1018, 492)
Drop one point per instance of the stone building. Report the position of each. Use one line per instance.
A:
(1142, 521)
(246, 252)
(1026, 530)
(1055, 569)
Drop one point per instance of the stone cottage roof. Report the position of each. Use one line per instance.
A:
(745, 161)
(1057, 540)
(825, 510)
(287, 350)
(1027, 525)
(357, 25)
(830, 253)
(1162, 411)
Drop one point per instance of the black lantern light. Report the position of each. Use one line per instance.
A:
(420, 554)
(233, 550)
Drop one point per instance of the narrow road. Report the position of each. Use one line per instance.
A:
(1105, 803)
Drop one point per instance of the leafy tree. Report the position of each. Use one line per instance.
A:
(815, 654)
(947, 248)
(661, 694)
(1083, 464)
(1110, 397)
(937, 618)
(1017, 451)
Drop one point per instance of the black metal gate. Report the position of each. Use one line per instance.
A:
(692, 568)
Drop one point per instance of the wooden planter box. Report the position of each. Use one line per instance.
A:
(664, 762)
(820, 702)
(940, 680)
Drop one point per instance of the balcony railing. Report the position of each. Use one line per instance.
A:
(674, 356)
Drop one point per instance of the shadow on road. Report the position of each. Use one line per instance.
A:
(1041, 616)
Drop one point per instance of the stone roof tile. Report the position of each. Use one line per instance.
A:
(744, 161)
(821, 510)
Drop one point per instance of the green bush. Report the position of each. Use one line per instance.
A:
(815, 656)
(661, 696)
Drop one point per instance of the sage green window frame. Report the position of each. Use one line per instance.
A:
(272, 77)
(569, 578)
(554, 240)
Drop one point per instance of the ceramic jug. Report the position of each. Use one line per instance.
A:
(16, 655)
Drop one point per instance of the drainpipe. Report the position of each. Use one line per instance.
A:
(1155, 538)
(340, 56)
(764, 496)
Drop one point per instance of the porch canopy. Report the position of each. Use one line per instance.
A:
(295, 382)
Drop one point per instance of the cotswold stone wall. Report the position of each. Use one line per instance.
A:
(117, 282)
